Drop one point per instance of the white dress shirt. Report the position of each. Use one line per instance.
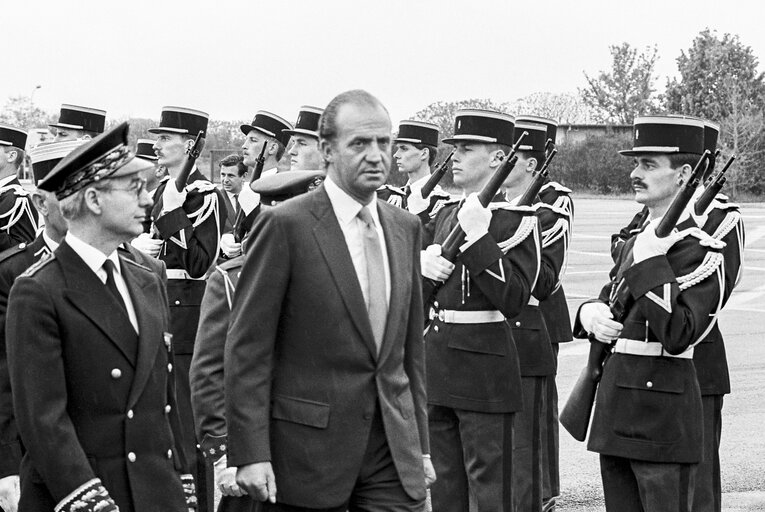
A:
(95, 259)
(346, 210)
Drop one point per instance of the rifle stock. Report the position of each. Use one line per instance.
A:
(712, 189)
(437, 175)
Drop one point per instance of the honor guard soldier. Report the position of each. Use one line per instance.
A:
(473, 376)
(144, 149)
(530, 330)
(76, 122)
(304, 152)
(187, 228)
(267, 136)
(18, 220)
(722, 220)
(555, 312)
(647, 423)
(206, 376)
(92, 375)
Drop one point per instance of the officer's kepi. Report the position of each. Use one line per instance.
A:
(106, 156)
(12, 136)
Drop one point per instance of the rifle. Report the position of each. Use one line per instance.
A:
(192, 153)
(575, 415)
(238, 229)
(531, 192)
(712, 189)
(439, 173)
(549, 145)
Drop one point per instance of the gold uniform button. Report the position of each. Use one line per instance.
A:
(130, 414)
(649, 384)
(131, 457)
(168, 409)
(170, 367)
(116, 373)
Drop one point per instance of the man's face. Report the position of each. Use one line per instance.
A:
(523, 168)
(170, 149)
(252, 146)
(359, 157)
(471, 164)
(124, 206)
(4, 156)
(653, 180)
(305, 154)
(54, 218)
(230, 179)
(409, 158)
(69, 134)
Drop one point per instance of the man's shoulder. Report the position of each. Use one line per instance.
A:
(42, 269)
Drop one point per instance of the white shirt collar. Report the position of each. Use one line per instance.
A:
(346, 207)
(92, 257)
(52, 245)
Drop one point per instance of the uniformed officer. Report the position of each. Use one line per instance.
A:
(206, 375)
(557, 319)
(304, 152)
(187, 227)
(92, 374)
(18, 220)
(722, 220)
(416, 148)
(77, 122)
(535, 352)
(472, 369)
(647, 422)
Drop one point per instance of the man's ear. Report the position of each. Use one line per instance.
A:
(684, 174)
(40, 204)
(325, 147)
(496, 158)
(531, 165)
(93, 200)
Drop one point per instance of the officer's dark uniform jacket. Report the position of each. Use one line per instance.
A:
(95, 402)
(555, 307)
(474, 366)
(398, 196)
(18, 218)
(648, 407)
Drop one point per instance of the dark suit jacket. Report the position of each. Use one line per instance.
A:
(230, 212)
(302, 374)
(88, 391)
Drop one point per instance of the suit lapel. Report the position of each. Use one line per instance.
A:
(89, 295)
(331, 242)
(400, 277)
(140, 285)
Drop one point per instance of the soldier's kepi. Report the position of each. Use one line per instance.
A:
(77, 122)
(647, 421)
(18, 220)
(304, 152)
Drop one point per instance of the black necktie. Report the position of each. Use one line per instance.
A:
(236, 203)
(111, 285)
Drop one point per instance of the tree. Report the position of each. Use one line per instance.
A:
(21, 112)
(627, 91)
(564, 108)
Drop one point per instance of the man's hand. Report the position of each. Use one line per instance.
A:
(597, 319)
(474, 219)
(147, 245)
(647, 244)
(9, 493)
(258, 481)
(433, 266)
(172, 198)
(415, 203)
(430, 471)
(225, 479)
(230, 247)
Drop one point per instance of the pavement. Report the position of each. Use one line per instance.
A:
(743, 325)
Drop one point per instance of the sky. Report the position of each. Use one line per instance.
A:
(232, 58)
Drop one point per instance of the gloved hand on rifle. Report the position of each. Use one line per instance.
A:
(474, 219)
(647, 244)
(230, 247)
(433, 266)
(148, 245)
(596, 318)
(172, 198)
(415, 203)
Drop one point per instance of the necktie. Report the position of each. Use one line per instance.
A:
(376, 297)
(111, 285)
(236, 203)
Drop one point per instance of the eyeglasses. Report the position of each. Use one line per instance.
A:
(136, 186)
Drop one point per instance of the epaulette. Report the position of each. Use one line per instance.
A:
(35, 267)
(202, 186)
(12, 251)
(392, 189)
(438, 205)
(719, 205)
(527, 226)
(556, 186)
(712, 262)
(722, 198)
(731, 220)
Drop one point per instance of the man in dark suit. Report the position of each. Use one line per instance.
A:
(324, 373)
(232, 174)
(92, 374)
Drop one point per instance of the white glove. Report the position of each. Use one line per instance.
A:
(225, 479)
(248, 200)
(433, 266)
(647, 244)
(597, 319)
(474, 218)
(415, 203)
(148, 245)
(9, 493)
(229, 246)
(171, 198)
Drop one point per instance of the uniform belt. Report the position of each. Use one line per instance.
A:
(647, 348)
(533, 301)
(449, 316)
(179, 273)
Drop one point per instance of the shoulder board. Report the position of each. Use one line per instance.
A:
(132, 262)
(202, 186)
(556, 186)
(718, 205)
(12, 251)
(32, 270)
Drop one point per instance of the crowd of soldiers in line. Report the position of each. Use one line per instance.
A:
(109, 400)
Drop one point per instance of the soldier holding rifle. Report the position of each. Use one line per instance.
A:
(473, 376)
(666, 292)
